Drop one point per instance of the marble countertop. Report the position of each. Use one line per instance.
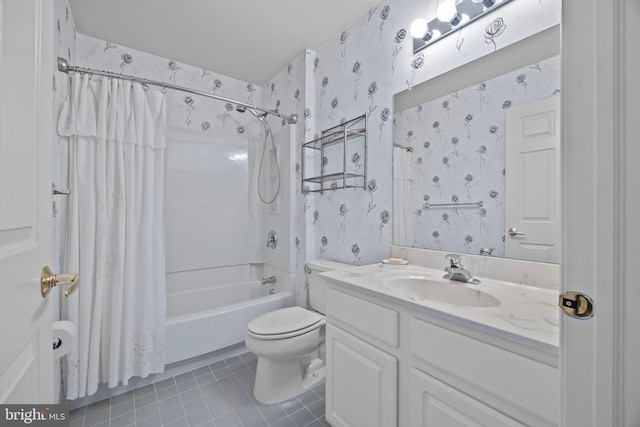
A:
(526, 314)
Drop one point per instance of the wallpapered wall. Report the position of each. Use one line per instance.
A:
(64, 46)
(183, 110)
(357, 72)
(458, 156)
(286, 92)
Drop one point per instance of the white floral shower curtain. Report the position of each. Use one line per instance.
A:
(115, 234)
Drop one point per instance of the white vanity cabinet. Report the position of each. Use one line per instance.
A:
(455, 376)
(389, 364)
(362, 378)
(363, 386)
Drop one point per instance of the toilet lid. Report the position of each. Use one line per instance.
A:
(285, 322)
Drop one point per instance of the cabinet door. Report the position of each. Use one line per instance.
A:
(362, 382)
(436, 404)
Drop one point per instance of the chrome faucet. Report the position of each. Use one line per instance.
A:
(456, 271)
(269, 280)
(486, 251)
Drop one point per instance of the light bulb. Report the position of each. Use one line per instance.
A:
(419, 28)
(448, 12)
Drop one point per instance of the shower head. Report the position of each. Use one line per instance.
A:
(243, 108)
(240, 108)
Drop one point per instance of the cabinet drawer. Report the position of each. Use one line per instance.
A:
(490, 368)
(374, 320)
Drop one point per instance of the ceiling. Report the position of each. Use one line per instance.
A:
(250, 40)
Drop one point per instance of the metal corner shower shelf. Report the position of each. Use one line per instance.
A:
(337, 136)
(63, 65)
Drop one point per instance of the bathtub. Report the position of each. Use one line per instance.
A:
(203, 320)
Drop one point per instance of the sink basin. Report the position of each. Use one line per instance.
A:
(418, 288)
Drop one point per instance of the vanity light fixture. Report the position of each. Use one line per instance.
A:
(451, 16)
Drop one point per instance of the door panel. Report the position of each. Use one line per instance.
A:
(601, 202)
(361, 382)
(26, 360)
(436, 404)
(533, 181)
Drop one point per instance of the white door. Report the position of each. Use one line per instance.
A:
(532, 200)
(26, 361)
(600, 357)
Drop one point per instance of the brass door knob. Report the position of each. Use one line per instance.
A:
(48, 281)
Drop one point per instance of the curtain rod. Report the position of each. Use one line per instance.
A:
(63, 65)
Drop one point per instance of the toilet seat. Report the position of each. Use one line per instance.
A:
(284, 323)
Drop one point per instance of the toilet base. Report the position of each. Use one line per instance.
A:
(280, 380)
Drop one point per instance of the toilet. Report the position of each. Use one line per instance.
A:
(289, 342)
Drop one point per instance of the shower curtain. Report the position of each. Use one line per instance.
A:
(115, 235)
(404, 179)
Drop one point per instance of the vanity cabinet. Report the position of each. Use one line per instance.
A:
(362, 375)
(362, 390)
(389, 364)
(451, 364)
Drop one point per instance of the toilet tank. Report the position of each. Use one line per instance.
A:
(318, 284)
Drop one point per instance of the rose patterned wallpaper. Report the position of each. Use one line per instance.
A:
(286, 92)
(183, 110)
(358, 71)
(459, 156)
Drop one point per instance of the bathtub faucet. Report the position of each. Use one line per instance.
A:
(269, 280)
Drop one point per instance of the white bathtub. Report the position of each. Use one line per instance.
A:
(203, 320)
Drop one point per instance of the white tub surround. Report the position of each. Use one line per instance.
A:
(214, 248)
(491, 358)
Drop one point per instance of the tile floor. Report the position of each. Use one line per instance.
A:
(217, 395)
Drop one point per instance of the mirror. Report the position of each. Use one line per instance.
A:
(462, 179)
